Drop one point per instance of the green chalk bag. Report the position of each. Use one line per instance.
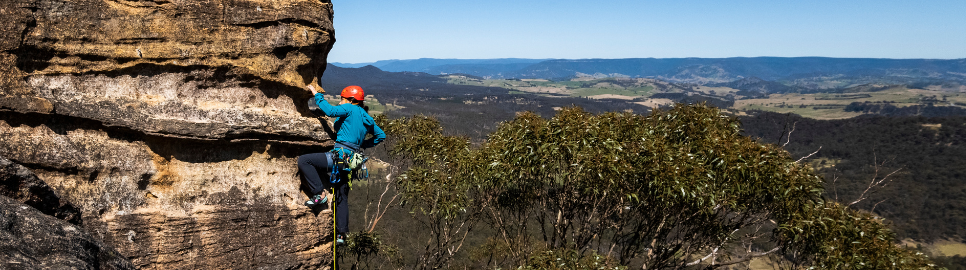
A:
(356, 161)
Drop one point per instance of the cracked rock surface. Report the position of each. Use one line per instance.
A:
(170, 127)
(30, 239)
(39, 229)
(19, 183)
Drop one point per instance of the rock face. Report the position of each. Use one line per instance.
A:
(30, 239)
(38, 228)
(18, 183)
(173, 126)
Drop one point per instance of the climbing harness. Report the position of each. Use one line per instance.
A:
(347, 165)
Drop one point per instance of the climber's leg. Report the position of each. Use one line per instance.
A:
(342, 207)
(313, 167)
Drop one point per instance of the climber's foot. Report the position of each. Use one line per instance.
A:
(316, 200)
(340, 240)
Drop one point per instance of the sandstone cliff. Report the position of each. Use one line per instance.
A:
(172, 125)
(32, 236)
(30, 239)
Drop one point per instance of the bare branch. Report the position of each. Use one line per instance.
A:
(380, 211)
(835, 178)
(876, 205)
(789, 138)
(713, 251)
(875, 183)
(750, 256)
(809, 155)
(785, 128)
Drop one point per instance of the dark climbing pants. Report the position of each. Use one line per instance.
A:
(315, 169)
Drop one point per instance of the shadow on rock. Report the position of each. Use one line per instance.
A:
(18, 183)
(30, 239)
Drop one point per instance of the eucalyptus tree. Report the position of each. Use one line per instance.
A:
(437, 186)
(675, 189)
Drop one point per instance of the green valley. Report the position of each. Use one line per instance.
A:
(830, 104)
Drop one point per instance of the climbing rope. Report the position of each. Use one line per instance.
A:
(335, 232)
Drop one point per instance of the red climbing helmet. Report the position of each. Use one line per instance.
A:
(353, 91)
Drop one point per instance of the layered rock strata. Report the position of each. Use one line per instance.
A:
(173, 126)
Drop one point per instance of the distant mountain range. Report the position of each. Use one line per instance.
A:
(807, 72)
(449, 66)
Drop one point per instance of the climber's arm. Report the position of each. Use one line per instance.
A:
(378, 137)
(328, 109)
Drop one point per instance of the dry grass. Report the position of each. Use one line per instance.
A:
(831, 106)
(950, 248)
(823, 163)
(656, 102)
(718, 91)
(578, 87)
(938, 248)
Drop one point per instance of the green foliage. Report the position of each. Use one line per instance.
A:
(674, 189)
(431, 185)
(833, 236)
(361, 248)
(436, 186)
(652, 189)
(367, 244)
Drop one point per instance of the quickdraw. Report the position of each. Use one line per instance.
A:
(348, 165)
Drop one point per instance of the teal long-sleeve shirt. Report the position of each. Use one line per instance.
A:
(352, 123)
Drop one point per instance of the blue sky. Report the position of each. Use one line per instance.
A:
(371, 30)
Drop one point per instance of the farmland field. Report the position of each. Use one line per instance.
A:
(580, 87)
(823, 106)
(832, 105)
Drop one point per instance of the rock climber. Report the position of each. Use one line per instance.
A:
(352, 124)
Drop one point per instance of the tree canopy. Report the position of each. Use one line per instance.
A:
(674, 189)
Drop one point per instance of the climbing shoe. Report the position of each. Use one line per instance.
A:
(340, 240)
(316, 200)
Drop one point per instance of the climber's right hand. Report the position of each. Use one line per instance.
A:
(312, 88)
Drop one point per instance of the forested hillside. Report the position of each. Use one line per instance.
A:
(920, 200)
(924, 198)
(468, 110)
